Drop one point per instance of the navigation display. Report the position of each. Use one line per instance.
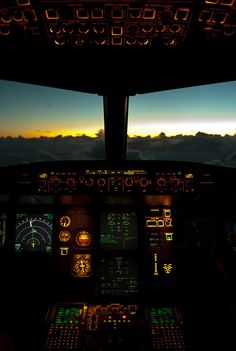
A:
(118, 276)
(33, 233)
(118, 230)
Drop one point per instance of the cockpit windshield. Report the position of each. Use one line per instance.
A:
(190, 124)
(194, 124)
(39, 123)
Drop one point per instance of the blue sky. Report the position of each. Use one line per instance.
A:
(29, 110)
(210, 108)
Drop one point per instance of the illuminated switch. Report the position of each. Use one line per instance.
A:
(82, 13)
(117, 30)
(18, 16)
(205, 16)
(169, 236)
(117, 13)
(167, 212)
(64, 251)
(23, 2)
(52, 14)
(168, 222)
(4, 31)
(149, 14)
(160, 223)
(99, 28)
(220, 17)
(151, 223)
(144, 41)
(116, 41)
(97, 13)
(135, 13)
(6, 19)
(181, 14)
(211, 1)
(227, 2)
(131, 41)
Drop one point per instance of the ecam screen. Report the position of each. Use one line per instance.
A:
(118, 276)
(118, 230)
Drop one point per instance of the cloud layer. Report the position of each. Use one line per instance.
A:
(213, 149)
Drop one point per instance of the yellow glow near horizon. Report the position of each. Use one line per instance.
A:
(51, 134)
(154, 129)
(142, 130)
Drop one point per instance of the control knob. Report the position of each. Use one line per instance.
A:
(101, 182)
(144, 182)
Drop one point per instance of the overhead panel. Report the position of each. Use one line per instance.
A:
(66, 23)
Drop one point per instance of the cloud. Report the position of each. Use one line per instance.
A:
(43, 155)
(205, 148)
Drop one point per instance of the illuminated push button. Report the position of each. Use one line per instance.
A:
(220, 17)
(147, 28)
(4, 31)
(169, 236)
(117, 13)
(205, 16)
(229, 31)
(182, 14)
(79, 41)
(99, 29)
(149, 14)
(18, 16)
(117, 41)
(55, 29)
(143, 41)
(175, 28)
(117, 30)
(160, 223)
(23, 2)
(69, 29)
(64, 251)
(160, 28)
(135, 13)
(52, 14)
(82, 13)
(97, 13)
(6, 19)
(170, 41)
(83, 28)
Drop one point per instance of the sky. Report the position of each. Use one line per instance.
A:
(34, 111)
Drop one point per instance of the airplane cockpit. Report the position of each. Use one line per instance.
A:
(116, 253)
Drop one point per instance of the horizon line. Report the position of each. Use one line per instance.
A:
(101, 133)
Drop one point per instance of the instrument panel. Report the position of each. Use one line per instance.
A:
(124, 240)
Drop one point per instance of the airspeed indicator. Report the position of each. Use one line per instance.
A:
(33, 233)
